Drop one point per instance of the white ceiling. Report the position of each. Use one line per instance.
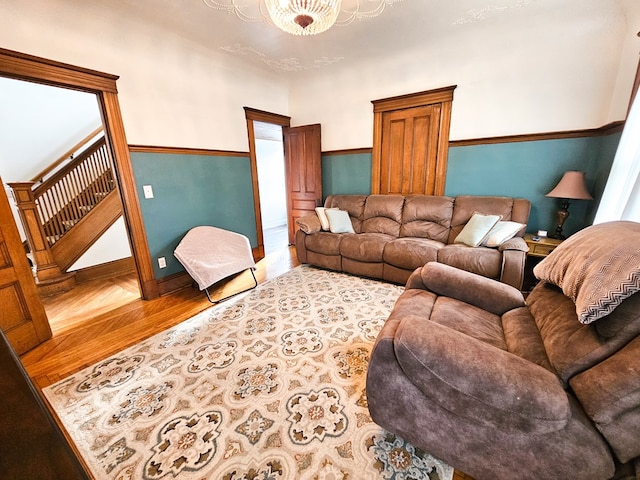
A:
(404, 25)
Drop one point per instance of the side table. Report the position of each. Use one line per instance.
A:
(538, 249)
(542, 247)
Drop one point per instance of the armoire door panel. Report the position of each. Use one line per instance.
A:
(409, 144)
(411, 138)
(22, 316)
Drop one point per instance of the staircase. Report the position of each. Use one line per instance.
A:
(66, 213)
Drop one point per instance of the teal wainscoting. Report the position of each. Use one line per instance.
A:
(531, 169)
(346, 174)
(191, 190)
(527, 169)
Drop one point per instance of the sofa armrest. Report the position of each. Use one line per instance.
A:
(478, 381)
(491, 295)
(515, 243)
(309, 223)
(514, 256)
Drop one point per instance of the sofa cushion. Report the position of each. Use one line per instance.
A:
(477, 229)
(339, 221)
(383, 214)
(597, 268)
(326, 243)
(571, 346)
(466, 205)
(354, 204)
(411, 253)
(473, 321)
(365, 247)
(479, 382)
(610, 394)
(501, 232)
(427, 216)
(322, 217)
(309, 224)
(481, 260)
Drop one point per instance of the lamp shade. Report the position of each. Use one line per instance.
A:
(571, 186)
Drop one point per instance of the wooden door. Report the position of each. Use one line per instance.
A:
(409, 151)
(411, 142)
(303, 169)
(22, 316)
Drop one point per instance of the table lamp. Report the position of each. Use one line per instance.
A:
(570, 187)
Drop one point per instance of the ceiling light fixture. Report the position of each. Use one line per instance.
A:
(302, 17)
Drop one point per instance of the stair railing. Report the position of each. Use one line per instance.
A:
(69, 194)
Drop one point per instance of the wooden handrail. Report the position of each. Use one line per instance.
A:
(64, 157)
(71, 192)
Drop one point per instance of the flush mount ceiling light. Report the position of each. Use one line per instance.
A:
(302, 17)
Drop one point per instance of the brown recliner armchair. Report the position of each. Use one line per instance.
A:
(501, 388)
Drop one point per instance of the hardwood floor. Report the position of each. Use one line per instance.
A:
(98, 319)
(87, 328)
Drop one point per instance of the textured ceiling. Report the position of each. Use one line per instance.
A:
(404, 24)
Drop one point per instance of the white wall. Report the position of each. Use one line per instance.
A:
(273, 191)
(574, 72)
(553, 72)
(112, 245)
(39, 124)
(172, 92)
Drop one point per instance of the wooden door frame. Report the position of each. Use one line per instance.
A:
(252, 115)
(21, 66)
(443, 96)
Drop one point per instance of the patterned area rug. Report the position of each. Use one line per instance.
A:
(267, 386)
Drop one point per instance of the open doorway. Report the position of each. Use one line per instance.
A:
(44, 129)
(271, 178)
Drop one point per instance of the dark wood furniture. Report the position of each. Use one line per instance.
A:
(32, 444)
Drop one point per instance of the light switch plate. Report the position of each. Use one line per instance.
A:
(148, 191)
(162, 263)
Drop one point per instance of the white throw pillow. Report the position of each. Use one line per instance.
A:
(339, 221)
(477, 228)
(322, 216)
(502, 232)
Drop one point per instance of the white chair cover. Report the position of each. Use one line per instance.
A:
(210, 254)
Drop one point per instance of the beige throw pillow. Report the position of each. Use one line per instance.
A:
(502, 232)
(339, 221)
(476, 229)
(322, 216)
(597, 268)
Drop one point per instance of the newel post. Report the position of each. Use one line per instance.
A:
(49, 278)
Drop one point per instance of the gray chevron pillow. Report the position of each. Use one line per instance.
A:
(597, 268)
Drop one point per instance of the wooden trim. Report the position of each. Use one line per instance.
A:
(442, 97)
(266, 117)
(117, 141)
(186, 151)
(173, 282)
(115, 268)
(49, 72)
(253, 115)
(348, 151)
(608, 129)
(429, 97)
(28, 67)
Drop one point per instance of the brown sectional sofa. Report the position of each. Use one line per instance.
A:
(395, 234)
(501, 388)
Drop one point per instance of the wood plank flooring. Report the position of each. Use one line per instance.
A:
(86, 329)
(98, 319)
